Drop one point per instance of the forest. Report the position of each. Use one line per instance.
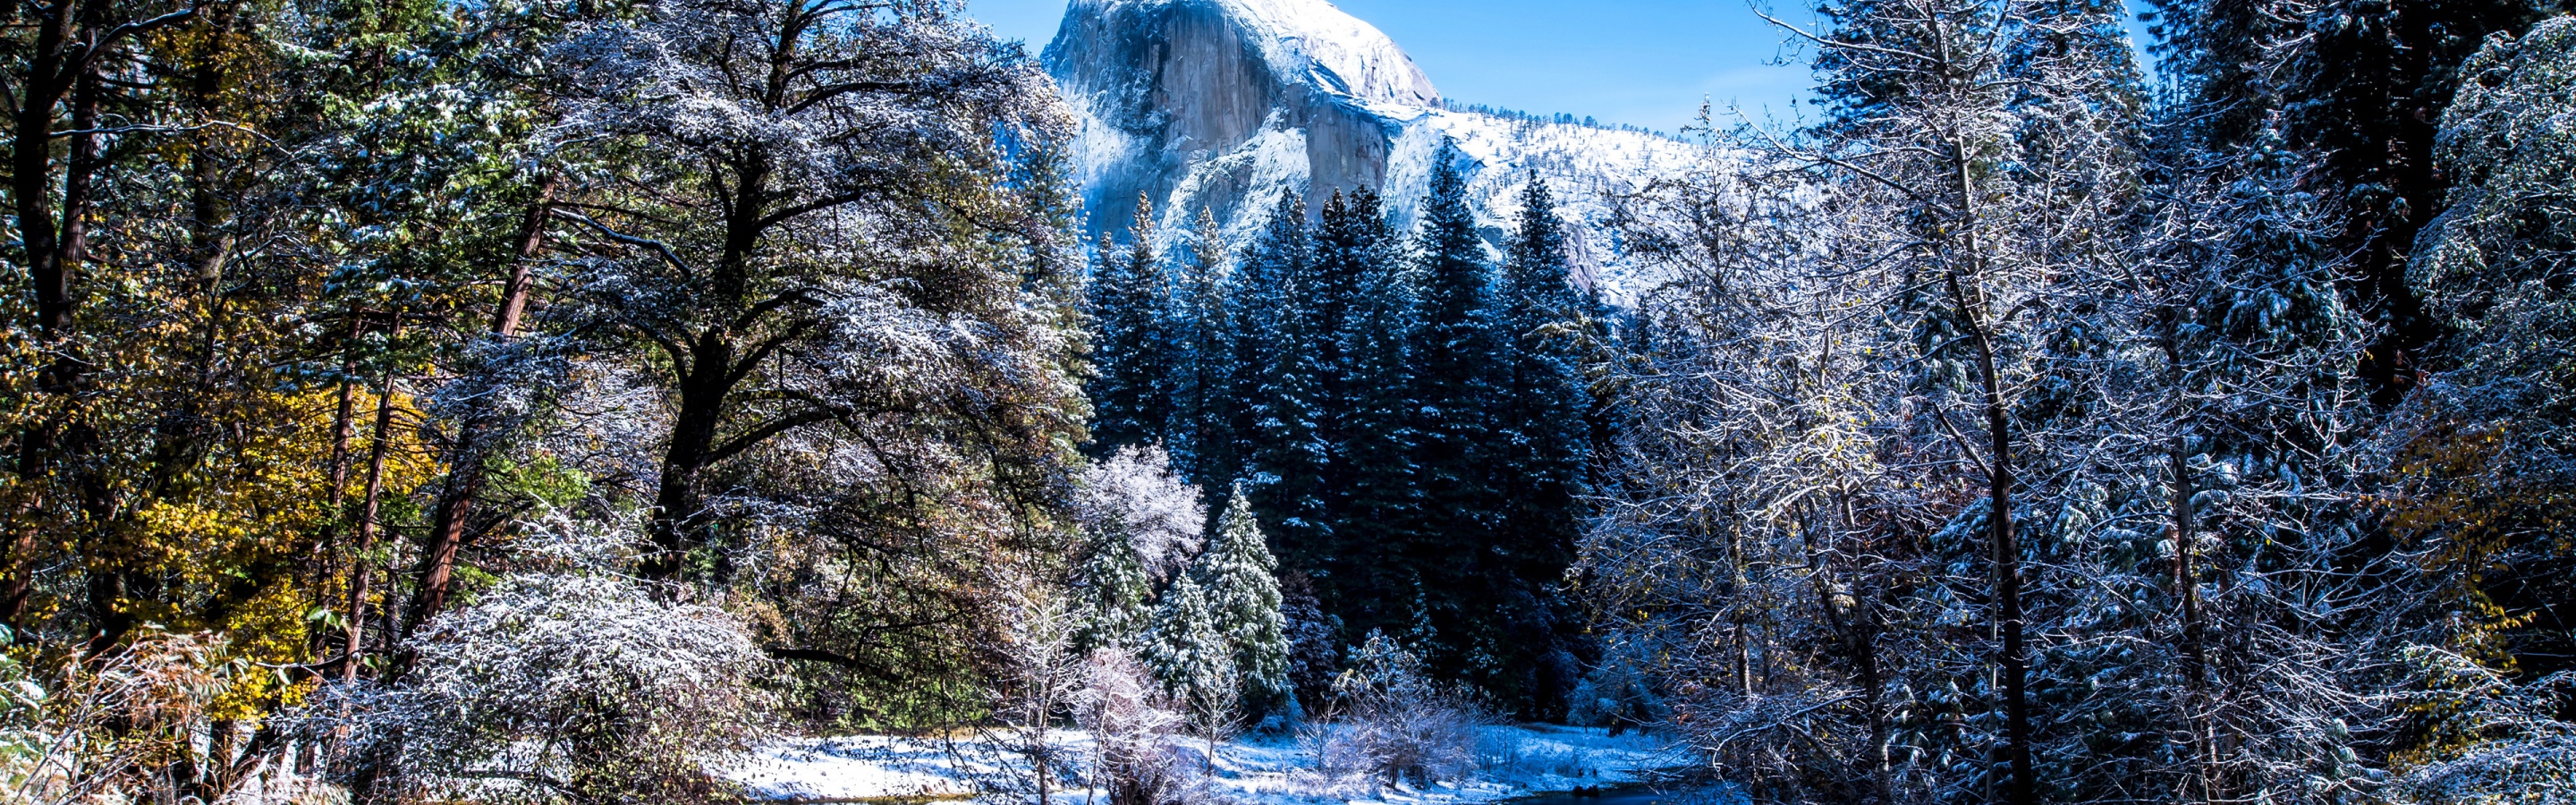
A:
(430, 401)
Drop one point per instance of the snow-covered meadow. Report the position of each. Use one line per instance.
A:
(1512, 761)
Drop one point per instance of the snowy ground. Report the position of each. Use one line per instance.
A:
(1514, 761)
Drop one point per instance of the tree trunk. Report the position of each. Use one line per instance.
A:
(676, 505)
(2186, 579)
(368, 510)
(465, 472)
(48, 262)
(1999, 482)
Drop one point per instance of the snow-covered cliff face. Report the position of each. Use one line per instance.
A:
(1226, 104)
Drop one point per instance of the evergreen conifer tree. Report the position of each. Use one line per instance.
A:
(1281, 444)
(1457, 362)
(1346, 237)
(1202, 328)
(1193, 661)
(1237, 574)
(1113, 592)
(1373, 502)
(1132, 350)
(1542, 437)
(1363, 393)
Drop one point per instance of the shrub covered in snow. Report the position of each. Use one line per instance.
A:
(2493, 741)
(554, 688)
(1395, 723)
(1132, 724)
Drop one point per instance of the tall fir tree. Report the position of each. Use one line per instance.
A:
(1457, 383)
(1363, 392)
(1187, 654)
(1132, 355)
(1238, 575)
(1202, 327)
(1278, 383)
(1542, 436)
(1378, 500)
(1345, 238)
(1114, 594)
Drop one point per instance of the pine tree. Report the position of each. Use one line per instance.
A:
(1132, 358)
(1543, 325)
(1278, 383)
(1543, 435)
(1193, 661)
(1455, 353)
(1374, 498)
(1456, 361)
(1202, 326)
(1236, 572)
(1112, 590)
(1346, 238)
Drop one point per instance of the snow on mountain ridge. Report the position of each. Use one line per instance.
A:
(1341, 52)
(1225, 105)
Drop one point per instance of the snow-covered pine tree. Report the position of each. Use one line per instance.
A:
(1237, 574)
(1193, 661)
(1343, 241)
(1132, 346)
(1113, 593)
(1341, 251)
(1457, 363)
(1375, 499)
(1202, 327)
(1283, 449)
(1543, 433)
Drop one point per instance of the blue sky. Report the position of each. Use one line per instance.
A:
(1642, 62)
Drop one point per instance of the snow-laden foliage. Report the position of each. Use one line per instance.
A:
(1237, 572)
(2484, 455)
(828, 240)
(2493, 740)
(1140, 525)
(566, 687)
(1132, 724)
(1193, 660)
(1115, 595)
(1392, 722)
(71, 737)
(1135, 496)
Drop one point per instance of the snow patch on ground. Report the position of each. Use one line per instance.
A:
(1514, 761)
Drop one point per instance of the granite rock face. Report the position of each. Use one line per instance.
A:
(1226, 104)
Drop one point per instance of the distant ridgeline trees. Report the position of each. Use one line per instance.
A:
(1411, 421)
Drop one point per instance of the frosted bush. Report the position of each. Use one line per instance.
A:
(2498, 742)
(1132, 724)
(1134, 493)
(563, 688)
(1395, 723)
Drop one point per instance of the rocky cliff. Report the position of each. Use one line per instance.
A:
(1225, 104)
